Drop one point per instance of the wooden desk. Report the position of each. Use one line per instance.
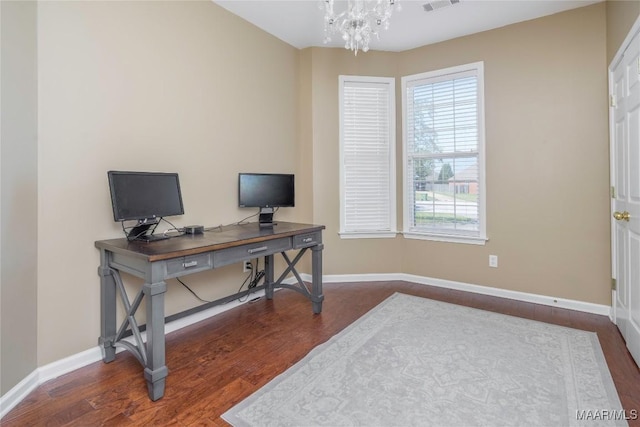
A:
(158, 261)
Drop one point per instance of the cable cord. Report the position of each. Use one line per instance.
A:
(191, 290)
(252, 278)
(241, 222)
(249, 279)
(173, 228)
(256, 279)
(125, 230)
(249, 276)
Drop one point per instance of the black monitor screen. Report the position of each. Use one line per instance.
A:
(259, 190)
(142, 195)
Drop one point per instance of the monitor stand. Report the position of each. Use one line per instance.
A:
(266, 218)
(140, 232)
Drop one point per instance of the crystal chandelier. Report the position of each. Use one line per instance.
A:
(360, 20)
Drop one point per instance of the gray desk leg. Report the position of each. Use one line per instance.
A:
(268, 276)
(316, 278)
(107, 308)
(156, 371)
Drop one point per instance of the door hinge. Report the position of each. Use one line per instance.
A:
(612, 100)
(613, 192)
(614, 285)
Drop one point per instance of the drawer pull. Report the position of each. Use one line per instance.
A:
(307, 240)
(189, 264)
(260, 249)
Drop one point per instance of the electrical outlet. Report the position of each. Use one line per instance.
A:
(493, 261)
(247, 266)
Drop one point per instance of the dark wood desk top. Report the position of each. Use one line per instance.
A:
(215, 239)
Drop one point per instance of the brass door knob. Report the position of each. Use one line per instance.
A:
(622, 215)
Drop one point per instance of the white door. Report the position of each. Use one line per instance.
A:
(625, 175)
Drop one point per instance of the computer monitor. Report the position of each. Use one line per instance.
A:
(144, 197)
(266, 191)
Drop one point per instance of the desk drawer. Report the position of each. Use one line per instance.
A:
(307, 240)
(256, 250)
(177, 266)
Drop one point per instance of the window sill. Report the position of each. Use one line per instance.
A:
(446, 238)
(368, 235)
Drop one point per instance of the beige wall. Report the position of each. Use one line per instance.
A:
(304, 146)
(621, 15)
(18, 231)
(546, 158)
(159, 86)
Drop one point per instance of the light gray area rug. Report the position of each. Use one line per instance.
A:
(412, 361)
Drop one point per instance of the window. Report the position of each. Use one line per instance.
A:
(367, 157)
(443, 146)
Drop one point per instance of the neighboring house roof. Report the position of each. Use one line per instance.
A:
(469, 174)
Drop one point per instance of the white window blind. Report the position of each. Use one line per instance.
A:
(367, 157)
(444, 155)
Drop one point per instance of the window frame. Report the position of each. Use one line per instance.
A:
(392, 232)
(409, 231)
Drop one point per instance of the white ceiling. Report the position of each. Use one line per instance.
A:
(300, 22)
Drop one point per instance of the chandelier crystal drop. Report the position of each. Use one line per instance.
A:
(360, 20)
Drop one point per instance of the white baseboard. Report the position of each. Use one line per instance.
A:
(569, 304)
(18, 392)
(53, 370)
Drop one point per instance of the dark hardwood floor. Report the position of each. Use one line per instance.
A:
(218, 362)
